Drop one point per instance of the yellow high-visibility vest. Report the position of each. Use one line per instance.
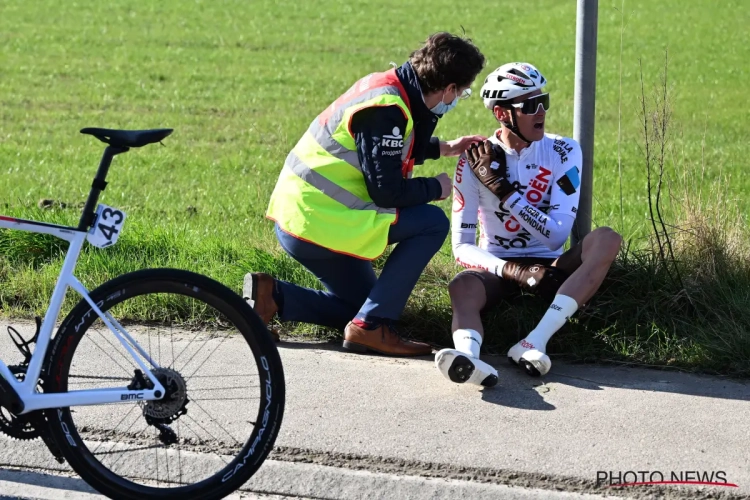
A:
(321, 195)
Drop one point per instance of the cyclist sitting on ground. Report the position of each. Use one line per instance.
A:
(521, 187)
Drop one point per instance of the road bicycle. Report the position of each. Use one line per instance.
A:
(123, 391)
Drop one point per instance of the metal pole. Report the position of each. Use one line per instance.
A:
(583, 117)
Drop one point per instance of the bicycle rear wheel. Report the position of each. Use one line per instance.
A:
(225, 388)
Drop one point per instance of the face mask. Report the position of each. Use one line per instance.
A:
(441, 108)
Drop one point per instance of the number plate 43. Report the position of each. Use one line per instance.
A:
(107, 226)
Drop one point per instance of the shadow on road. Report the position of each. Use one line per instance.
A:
(47, 480)
(528, 399)
(598, 377)
(518, 390)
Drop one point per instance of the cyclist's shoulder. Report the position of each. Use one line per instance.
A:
(551, 140)
(564, 148)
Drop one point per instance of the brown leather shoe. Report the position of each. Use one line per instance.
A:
(382, 340)
(257, 290)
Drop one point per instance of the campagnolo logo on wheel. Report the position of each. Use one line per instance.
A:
(264, 422)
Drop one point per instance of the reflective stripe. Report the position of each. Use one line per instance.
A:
(332, 146)
(342, 133)
(407, 146)
(319, 197)
(323, 132)
(338, 113)
(329, 188)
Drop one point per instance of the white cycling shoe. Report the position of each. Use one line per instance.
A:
(534, 361)
(460, 368)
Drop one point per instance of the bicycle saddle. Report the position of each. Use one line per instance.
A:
(128, 138)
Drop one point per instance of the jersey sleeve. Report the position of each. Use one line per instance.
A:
(464, 221)
(566, 189)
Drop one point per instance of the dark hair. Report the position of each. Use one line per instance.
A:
(446, 59)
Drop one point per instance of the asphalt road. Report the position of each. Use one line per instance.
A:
(360, 426)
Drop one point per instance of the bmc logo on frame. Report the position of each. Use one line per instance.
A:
(129, 397)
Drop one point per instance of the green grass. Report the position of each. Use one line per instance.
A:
(240, 81)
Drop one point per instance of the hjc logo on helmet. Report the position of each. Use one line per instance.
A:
(494, 94)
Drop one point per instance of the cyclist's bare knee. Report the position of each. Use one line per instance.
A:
(467, 291)
(601, 245)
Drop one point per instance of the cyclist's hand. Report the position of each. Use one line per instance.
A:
(489, 167)
(535, 278)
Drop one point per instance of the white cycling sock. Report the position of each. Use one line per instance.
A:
(558, 313)
(467, 342)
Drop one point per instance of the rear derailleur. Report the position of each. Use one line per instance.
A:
(160, 413)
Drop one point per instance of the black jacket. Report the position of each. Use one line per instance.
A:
(376, 132)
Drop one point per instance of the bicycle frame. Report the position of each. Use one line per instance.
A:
(26, 389)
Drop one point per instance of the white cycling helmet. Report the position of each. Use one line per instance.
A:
(510, 81)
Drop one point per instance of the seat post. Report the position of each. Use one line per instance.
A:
(99, 184)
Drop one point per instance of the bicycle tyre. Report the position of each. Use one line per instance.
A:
(270, 413)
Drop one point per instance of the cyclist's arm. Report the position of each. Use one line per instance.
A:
(553, 228)
(464, 221)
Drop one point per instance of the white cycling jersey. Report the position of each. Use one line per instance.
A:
(534, 223)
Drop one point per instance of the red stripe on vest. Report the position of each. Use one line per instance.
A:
(365, 84)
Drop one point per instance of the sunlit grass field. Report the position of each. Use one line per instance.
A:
(239, 82)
